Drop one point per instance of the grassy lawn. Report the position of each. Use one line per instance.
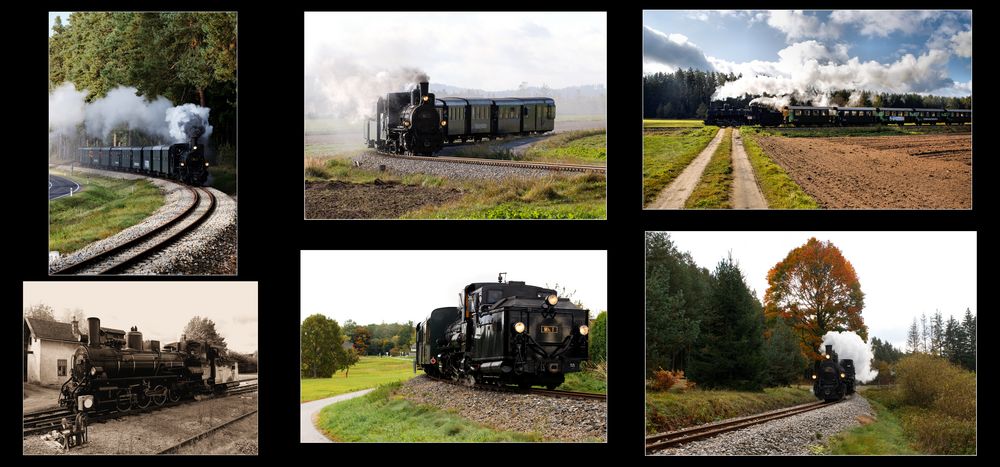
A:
(893, 130)
(654, 123)
(712, 191)
(780, 191)
(381, 417)
(884, 436)
(370, 371)
(665, 155)
(674, 409)
(105, 207)
(586, 146)
(564, 196)
(588, 380)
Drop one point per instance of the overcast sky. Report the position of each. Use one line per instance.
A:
(926, 51)
(63, 15)
(493, 51)
(400, 286)
(159, 309)
(902, 274)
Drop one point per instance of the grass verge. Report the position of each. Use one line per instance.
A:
(712, 191)
(382, 417)
(675, 409)
(592, 379)
(657, 123)
(883, 436)
(780, 191)
(369, 372)
(665, 155)
(105, 207)
(586, 146)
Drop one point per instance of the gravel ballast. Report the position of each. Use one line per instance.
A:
(556, 418)
(796, 435)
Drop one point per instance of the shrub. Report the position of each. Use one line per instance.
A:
(664, 380)
(923, 379)
(935, 433)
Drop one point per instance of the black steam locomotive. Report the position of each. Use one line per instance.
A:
(416, 122)
(835, 116)
(123, 372)
(832, 378)
(504, 333)
(184, 162)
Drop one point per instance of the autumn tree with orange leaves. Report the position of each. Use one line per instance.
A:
(815, 290)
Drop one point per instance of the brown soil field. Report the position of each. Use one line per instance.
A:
(379, 200)
(884, 172)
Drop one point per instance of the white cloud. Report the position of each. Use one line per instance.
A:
(961, 43)
(798, 25)
(673, 50)
(885, 22)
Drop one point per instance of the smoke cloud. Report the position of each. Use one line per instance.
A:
(66, 109)
(850, 346)
(344, 87)
(122, 107)
(184, 121)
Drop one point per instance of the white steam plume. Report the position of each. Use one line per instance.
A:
(850, 346)
(184, 120)
(123, 107)
(66, 109)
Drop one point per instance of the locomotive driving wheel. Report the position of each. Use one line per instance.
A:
(173, 395)
(143, 398)
(159, 395)
(124, 401)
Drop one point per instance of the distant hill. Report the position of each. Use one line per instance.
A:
(574, 100)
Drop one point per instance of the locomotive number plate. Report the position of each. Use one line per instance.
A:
(550, 329)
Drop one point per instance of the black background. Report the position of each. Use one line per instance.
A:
(272, 230)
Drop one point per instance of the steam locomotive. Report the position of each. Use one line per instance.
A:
(835, 116)
(832, 378)
(504, 333)
(416, 122)
(114, 371)
(184, 162)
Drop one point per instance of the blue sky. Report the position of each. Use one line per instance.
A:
(63, 15)
(879, 42)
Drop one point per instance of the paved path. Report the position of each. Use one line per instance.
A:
(678, 191)
(746, 192)
(308, 433)
(60, 186)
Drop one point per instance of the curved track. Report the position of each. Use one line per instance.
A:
(45, 420)
(684, 435)
(558, 167)
(119, 259)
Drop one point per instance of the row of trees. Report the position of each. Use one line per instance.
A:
(954, 340)
(712, 326)
(380, 339)
(688, 94)
(185, 57)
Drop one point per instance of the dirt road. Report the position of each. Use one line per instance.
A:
(885, 172)
(678, 191)
(746, 192)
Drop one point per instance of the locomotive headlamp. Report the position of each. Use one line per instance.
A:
(406, 123)
(584, 329)
(444, 122)
(206, 163)
(196, 147)
(814, 376)
(182, 164)
(519, 327)
(552, 299)
(425, 98)
(842, 375)
(93, 371)
(827, 357)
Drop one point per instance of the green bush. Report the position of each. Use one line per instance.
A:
(599, 338)
(936, 433)
(940, 400)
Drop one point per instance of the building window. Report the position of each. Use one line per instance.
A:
(61, 364)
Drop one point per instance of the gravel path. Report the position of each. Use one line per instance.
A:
(210, 249)
(678, 191)
(787, 436)
(308, 433)
(746, 192)
(561, 419)
(371, 160)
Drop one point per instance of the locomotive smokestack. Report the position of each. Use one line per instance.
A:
(94, 332)
(424, 89)
(829, 349)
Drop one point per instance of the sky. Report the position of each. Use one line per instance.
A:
(923, 51)
(493, 51)
(902, 274)
(63, 15)
(397, 286)
(160, 310)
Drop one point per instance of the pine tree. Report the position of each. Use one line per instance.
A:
(968, 359)
(913, 338)
(937, 333)
(785, 362)
(923, 333)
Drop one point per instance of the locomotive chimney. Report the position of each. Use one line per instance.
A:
(424, 89)
(94, 331)
(829, 349)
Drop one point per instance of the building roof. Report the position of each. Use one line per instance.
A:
(57, 331)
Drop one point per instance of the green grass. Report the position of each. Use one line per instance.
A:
(564, 196)
(780, 191)
(586, 146)
(665, 155)
(105, 207)
(369, 372)
(674, 409)
(382, 417)
(580, 117)
(224, 178)
(655, 123)
(712, 191)
(893, 130)
(586, 381)
(885, 436)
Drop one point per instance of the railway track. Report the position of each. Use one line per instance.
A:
(45, 420)
(578, 395)
(119, 259)
(194, 439)
(685, 435)
(558, 167)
